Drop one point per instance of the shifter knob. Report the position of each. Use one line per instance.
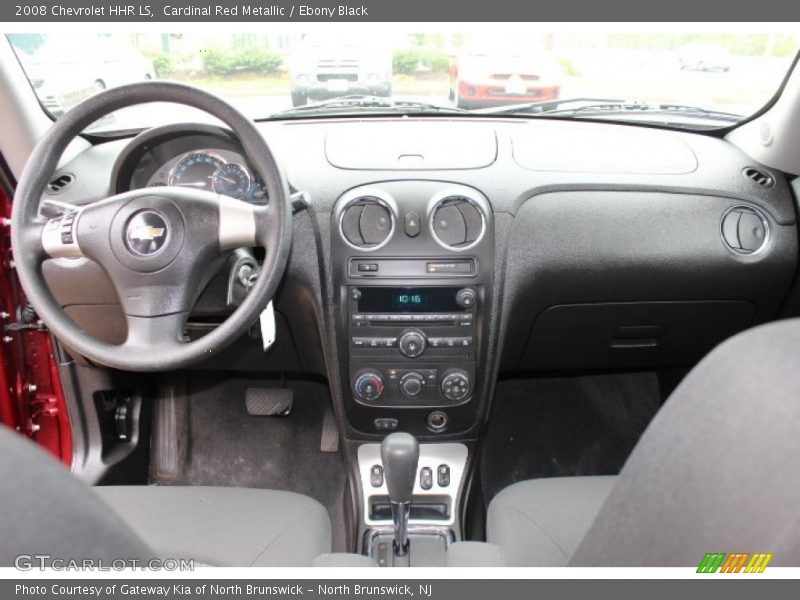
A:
(400, 455)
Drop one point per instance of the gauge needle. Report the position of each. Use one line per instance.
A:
(230, 180)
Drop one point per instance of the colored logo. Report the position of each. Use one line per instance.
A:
(146, 233)
(737, 562)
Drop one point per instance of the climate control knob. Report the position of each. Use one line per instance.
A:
(368, 386)
(412, 343)
(412, 384)
(455, 385)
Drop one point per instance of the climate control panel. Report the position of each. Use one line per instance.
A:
(440, 386)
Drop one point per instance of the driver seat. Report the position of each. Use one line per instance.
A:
(47, 511)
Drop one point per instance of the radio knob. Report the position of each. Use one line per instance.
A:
(412, 384)
(455, 384)
(412, 343)
(466, 298)
(369, 386)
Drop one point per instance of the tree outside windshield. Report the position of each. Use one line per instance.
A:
(264, 74)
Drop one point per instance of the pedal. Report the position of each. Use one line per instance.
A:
(269, 402)
(168, 452)
(329, 440)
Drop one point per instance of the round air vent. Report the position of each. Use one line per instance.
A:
(367, 223)
(744, 229)
(457, 223)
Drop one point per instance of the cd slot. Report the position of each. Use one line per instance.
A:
(402, 319)
(412, 321)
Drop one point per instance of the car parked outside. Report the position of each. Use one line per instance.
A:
(506, 72)
(327, 66)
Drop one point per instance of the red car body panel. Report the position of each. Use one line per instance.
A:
(31, 396)
(495, 80)
(492, 95)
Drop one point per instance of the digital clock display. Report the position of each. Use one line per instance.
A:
(408, 300)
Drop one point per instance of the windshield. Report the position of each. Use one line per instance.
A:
(281, 74)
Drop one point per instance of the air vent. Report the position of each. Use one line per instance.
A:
(744, 229)
(367, 223)
(759, 177)
(60, 183)
(457, 223)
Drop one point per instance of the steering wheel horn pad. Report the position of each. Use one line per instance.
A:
(127, 227)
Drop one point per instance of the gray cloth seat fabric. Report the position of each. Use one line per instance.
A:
(224, 527)
(475, 554)
(47, 511)
(716, 471)
(541, 522)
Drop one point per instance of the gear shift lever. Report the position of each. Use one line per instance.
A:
(400, 454)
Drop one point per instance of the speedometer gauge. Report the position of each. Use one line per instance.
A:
(196, 170)
(231, 179)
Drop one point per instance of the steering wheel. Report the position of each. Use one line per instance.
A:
(155, 244)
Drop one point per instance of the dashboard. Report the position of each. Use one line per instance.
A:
(209, 161)
(438, 253)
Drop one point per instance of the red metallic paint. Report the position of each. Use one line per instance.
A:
(31, 396)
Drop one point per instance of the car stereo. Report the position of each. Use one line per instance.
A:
(412, 346)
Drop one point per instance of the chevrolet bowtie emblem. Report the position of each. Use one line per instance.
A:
(146, 233)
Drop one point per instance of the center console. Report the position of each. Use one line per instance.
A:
(412, 346)
(413, 269)
(412, 265)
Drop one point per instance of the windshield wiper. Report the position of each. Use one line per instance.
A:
(609, 106)
(348, 103)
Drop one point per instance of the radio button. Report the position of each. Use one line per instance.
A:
(466, 298)
(359, 342)
(374, 342)
(412, 343)
(389, 342)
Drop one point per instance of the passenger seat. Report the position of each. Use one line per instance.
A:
(716, 471)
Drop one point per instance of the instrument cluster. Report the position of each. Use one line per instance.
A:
(216, 170)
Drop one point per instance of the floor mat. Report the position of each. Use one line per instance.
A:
(228, 447)
(566, 426)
